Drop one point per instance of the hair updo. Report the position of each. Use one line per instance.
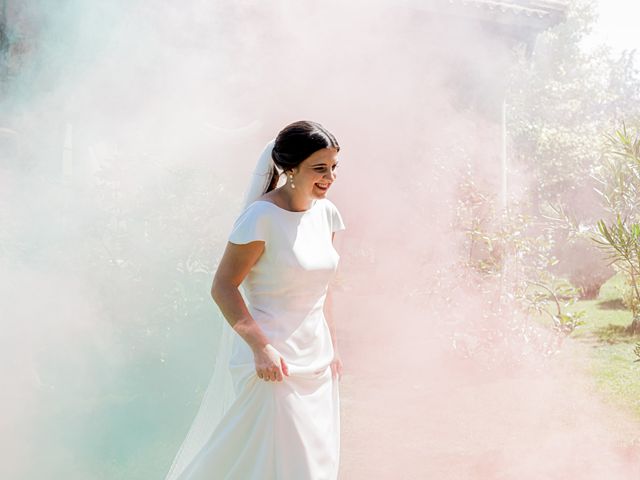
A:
(297, 142)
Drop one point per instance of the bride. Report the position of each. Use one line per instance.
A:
(281, 418)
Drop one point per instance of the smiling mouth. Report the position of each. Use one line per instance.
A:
(323, 186)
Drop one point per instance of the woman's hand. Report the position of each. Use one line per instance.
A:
(336, 366)
(270, 366)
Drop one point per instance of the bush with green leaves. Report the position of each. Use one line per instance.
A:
(515, 249)
(559, 101)
(619, 179)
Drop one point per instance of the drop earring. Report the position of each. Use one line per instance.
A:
(291, 179)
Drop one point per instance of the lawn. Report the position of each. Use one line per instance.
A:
(612, 358)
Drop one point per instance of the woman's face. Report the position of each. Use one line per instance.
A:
(316, 173)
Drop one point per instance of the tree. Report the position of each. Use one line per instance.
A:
(559, 103)
(619, 179)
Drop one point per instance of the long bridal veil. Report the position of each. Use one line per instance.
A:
(220, 393)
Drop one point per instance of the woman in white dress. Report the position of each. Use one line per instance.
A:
(284, 423)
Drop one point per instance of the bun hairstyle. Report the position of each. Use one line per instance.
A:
(297, 142)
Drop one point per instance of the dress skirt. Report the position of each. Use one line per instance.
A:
(287, 430)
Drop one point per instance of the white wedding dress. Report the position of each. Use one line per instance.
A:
(287, 430)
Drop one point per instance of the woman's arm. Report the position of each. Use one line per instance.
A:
(235, 264)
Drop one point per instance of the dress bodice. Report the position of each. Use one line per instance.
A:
(286, 289)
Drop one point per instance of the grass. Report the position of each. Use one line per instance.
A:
(612, 358)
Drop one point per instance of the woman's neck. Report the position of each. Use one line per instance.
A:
(291, 200)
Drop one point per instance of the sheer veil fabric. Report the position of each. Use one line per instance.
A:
(219, 394)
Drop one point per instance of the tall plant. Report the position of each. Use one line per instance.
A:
(619, 179)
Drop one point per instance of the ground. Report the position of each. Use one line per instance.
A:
(419, 413)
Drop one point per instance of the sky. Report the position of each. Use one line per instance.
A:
(615, 25)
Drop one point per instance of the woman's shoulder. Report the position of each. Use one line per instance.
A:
(252, 224)
(255, 205)
(328, 205)
(257, 211)
(333, 215)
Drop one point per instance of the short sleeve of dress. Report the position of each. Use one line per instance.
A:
(250, 226)
(336, 219)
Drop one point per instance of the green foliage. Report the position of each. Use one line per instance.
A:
(513, 248)
(560, 295)
(620, 239)
(497, 237)
(618, 175)
(559, 103)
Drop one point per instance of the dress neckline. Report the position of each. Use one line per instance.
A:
(315, 202)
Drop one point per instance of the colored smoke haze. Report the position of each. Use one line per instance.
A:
(169, 105)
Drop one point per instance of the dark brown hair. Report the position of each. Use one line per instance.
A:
(297, 142)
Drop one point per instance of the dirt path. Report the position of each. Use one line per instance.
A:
(410, 411)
